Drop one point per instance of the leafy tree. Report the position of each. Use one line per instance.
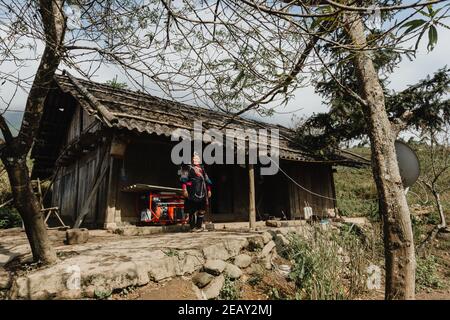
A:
(425, 103)
(116, 84)
(234, 56)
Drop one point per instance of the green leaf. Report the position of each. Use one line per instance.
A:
(424, 13)
(413, 24)
(432, 38)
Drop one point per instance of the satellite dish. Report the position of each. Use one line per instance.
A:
(408, 163)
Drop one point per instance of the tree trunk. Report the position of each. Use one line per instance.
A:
(15, 149)
(29, 209)
(398, 236)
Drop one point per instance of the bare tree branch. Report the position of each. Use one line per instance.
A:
(388, 8)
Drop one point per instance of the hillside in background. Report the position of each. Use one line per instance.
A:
(14, 120)
(356, 192)
(9, 217)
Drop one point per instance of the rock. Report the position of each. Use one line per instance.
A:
(163, 268)
(5, 279)
(202, 279)
(214, 267)
(355, 220)
(232, 271)
(267, 249)
(190, 260)
(212, 290)
(281, 242)
(283, 231)
(234, 246)
(77, 236)
(216, 251)
(255, 243)
(89, 292)
(268, 261)
(225, 250)
(69, 294)
(266, 237)
(242, 260)
(273, 223)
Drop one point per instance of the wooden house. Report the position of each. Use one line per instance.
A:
(95, 140)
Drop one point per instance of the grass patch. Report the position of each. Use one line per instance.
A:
(427, 275)
(328, 265)
(172, 253)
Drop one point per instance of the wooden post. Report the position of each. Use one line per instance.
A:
(251, 193)
(111, 198)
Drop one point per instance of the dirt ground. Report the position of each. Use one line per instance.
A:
(274, 286)
(271, 285)
(183, 289)
(174, 289)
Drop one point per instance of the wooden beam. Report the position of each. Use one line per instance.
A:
(112, 194)
(93, 193)
(101, 109)
(100, 174)
(251, 193)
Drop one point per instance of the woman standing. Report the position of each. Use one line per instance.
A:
(197, 191)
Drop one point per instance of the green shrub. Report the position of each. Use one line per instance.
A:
(427, 273)
(328, 266)
(255, 279)
(102, 294)
(230, 290)
(9, 218)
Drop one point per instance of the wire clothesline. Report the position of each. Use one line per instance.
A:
(314, 193)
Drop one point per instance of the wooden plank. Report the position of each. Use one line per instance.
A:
(111, 200)
(139, 187)
(333, 187)
(91, 197)
(251, 195)
(99, 176)
(297, 194)
(74, 126)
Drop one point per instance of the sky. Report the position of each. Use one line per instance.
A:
(407, 73)
(306, 101)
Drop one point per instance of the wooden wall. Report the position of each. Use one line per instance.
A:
(150, 163)
(74, 182)
(147, 160)
(72, 187)
(315, 177)
(80, 123)
(230, 193)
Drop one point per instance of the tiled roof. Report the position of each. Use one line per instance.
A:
(144, 113)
